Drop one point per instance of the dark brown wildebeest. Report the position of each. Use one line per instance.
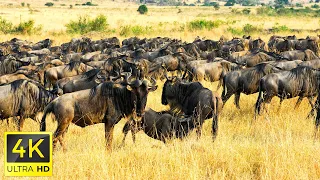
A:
(85, 82)
(159, 125)
(55, 73)
(257, 44)
(244, 81)
(106, 103)
(23, 98)
(286, 65)
(304, 55)
(11, 65)
(192, 99)
(255, 58)
(301, 82)
(172, 62)
(59, 86)
(304, 44)
(207, 45)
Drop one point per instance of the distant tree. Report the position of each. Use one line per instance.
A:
(230, 3)
(49, 4)
(143, 9)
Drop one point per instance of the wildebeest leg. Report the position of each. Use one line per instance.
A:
(225, 97)
(108, 127)
(59, 134)
(237, 99)
(317, 123)
(281, 100)
(298, 102)
(214, 126)
(125, 130)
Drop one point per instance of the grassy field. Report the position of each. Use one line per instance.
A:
(160, 21)
(279, 145)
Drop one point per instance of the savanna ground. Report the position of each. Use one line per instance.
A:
(280, 145)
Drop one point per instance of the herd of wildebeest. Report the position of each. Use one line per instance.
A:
(88, 82)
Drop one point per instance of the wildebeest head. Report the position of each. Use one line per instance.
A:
(167, 87)
(140, 89)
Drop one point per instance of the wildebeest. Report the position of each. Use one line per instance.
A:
(193, 100)
(315, 64)
(304, 55)
(213, 71)
(8, 78)
(106, 103)
(23, 98)
(301, 81)
(286, 65)
(86, 82)
(55, 73)
(159, 125)
(244, 81)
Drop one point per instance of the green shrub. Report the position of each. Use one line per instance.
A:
(70, 6)
(315, 6)
(49, 4)
(235, 31)
(143, 9)
(249, 29)
(203, 24)
(246, 11)
(84, 25)
(299, 5)
(27, 27)
(22, 4)
(283, 28)
(134, 30)
(89, 4)
(5, 26)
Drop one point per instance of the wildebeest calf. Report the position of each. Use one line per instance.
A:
(159, 125)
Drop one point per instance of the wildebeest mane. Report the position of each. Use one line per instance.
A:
(260, 70)
(303, 73)
(73, 65)
(182, 90)
(120, 96)
(31, 93)
(89, 75)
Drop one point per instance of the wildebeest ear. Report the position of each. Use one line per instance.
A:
(153, 88)
(129, 88)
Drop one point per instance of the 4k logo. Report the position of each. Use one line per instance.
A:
(28, 154)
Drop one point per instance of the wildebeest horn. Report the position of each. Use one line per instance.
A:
(123, 74)
(116, 77)
(126, 78)
(154, 82)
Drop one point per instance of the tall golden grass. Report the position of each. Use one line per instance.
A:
(280, 145)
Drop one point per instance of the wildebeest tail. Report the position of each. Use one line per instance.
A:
(45, 79)
(260, 99)
(47, 110)
(223, 83)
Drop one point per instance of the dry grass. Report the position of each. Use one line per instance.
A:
(278, 146)
(165, 21)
